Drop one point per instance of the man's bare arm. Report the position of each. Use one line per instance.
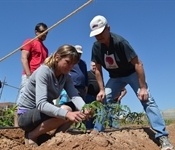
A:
(24, 59)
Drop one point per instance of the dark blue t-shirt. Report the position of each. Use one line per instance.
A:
(79, 74)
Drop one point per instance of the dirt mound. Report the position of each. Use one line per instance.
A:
(128, 138)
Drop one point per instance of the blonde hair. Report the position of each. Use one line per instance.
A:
(62, 52)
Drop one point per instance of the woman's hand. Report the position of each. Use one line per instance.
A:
(88, 112)
(76, 116)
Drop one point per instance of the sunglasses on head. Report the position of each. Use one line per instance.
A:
(41, 31)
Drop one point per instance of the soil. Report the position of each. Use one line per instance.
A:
(126, 138)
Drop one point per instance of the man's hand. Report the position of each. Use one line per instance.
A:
(143, 94)
(100, 96)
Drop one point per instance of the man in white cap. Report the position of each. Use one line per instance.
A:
(115, 54)
(79, 74)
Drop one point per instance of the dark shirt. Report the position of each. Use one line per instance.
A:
(79, 74)
(93, 88)
(117, 58)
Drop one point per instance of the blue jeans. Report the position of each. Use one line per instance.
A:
(114, 86)
(89, 123)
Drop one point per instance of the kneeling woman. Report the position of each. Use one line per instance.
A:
(36, 112)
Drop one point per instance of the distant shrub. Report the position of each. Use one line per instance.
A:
(7, 117)
(169, 121)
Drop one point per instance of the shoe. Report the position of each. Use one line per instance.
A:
(29, 142)
(165, 143)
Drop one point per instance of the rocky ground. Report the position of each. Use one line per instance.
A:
(127, 138)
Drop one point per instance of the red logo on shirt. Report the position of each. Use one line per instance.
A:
(109, 60)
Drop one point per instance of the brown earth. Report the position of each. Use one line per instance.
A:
(128, 138)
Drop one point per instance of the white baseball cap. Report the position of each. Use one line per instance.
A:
(97, 25)
(79, 48)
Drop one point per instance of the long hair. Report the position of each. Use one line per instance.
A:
(62, 52)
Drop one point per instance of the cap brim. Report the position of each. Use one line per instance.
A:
(79, 51)
(97, 31)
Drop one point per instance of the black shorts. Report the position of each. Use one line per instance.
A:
(31, 119)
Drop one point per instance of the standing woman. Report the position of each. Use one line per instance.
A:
(36, 111)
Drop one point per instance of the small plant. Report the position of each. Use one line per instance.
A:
(134, 118)
(95, 107)
(121, 114)
(102, 112)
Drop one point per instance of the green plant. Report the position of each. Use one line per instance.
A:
(101, 113)
(121, 114)
(116, 111)
(95, 107)
(7, 116)
(134, 118)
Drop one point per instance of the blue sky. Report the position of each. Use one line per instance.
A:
(147, 24)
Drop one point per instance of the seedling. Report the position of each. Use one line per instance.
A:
(101, 113)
